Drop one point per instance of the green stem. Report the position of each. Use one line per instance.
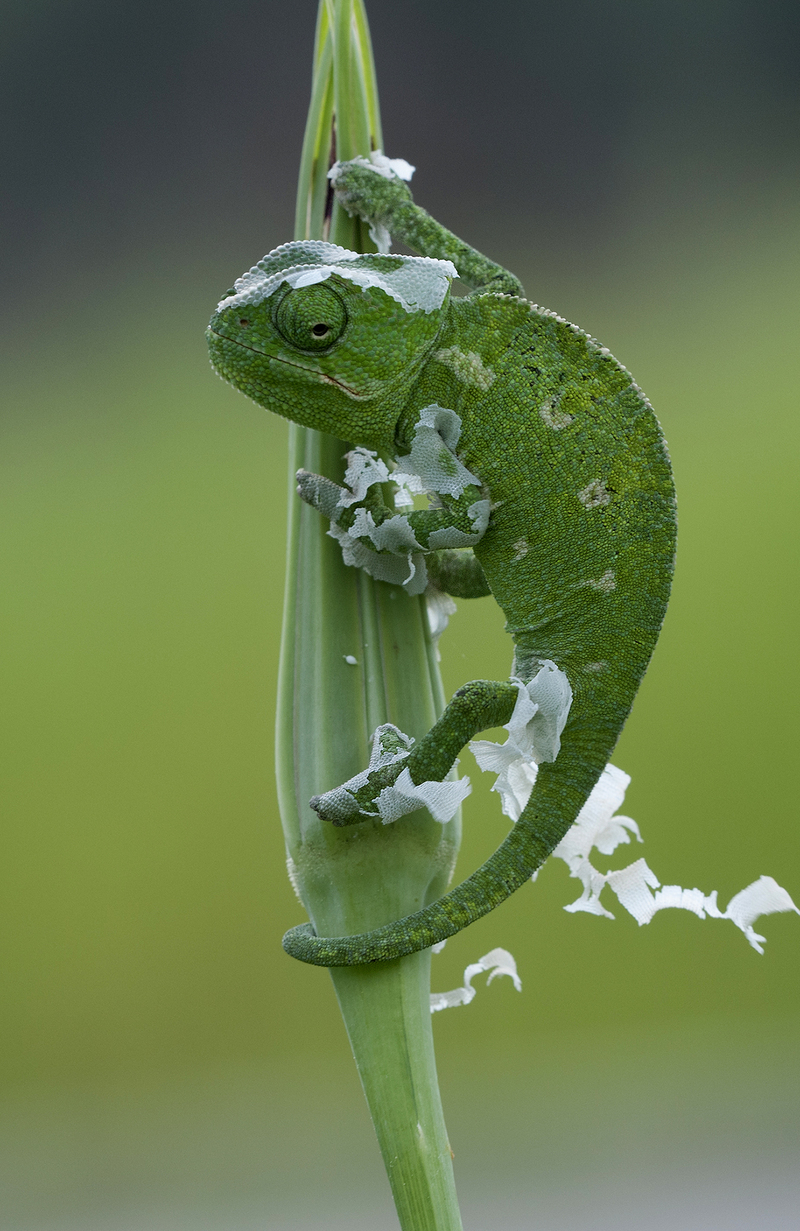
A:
(351, 880)
(386, 1011)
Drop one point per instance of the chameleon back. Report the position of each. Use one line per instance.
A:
(580, 547)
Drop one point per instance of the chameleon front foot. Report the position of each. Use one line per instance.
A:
(375, 190)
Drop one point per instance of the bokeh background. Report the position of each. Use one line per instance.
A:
(164, 1064)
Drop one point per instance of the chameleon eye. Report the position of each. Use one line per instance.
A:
(311, 318)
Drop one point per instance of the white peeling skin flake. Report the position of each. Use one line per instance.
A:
(534, 735)
(596, 824)
(534, 729)
(417, 283)
(408, 571)
(380, 237)
(478, 513)
(449, 536)
(599, 827)
(394, 535)
(364, 470)
(498, 962)
(440, 607)
(432, 458)
(398, 557)
(389, 168)
(442, 799)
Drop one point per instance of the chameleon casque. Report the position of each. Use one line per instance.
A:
(551, 489)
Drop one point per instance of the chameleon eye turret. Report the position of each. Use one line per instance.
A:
(312, 318)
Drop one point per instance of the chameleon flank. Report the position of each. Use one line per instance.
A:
(552, 491)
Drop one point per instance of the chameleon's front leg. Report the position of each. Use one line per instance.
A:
(385, 202)
(392, 545)
(458, 573)
(458, 523)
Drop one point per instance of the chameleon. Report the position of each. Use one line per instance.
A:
(549, 487)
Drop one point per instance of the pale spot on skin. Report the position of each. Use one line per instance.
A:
(467, 366)
(594, 495)
(350, 660)
(604, 584)
(553, 417)
(596, 667)
(520, 549)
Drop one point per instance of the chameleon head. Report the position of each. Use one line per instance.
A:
(330, 338)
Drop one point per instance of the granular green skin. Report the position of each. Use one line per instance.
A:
(580, 545)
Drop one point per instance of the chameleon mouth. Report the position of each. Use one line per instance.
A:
(301, 367)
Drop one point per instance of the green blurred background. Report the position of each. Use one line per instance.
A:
(164, 1065)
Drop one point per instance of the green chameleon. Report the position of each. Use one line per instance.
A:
(550, 488)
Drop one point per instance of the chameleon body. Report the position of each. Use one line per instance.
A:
(552, 487)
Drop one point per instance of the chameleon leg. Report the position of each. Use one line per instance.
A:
(475, 707)
(386, 543)
(388, 203)
(387, 530)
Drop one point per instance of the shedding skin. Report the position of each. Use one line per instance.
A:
(502, 408)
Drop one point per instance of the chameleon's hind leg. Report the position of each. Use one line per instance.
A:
(389, 790)
(387, 203)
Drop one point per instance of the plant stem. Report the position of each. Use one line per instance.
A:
(387, 1013)
(351, 880)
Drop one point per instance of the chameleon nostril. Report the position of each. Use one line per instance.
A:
(243, 322)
